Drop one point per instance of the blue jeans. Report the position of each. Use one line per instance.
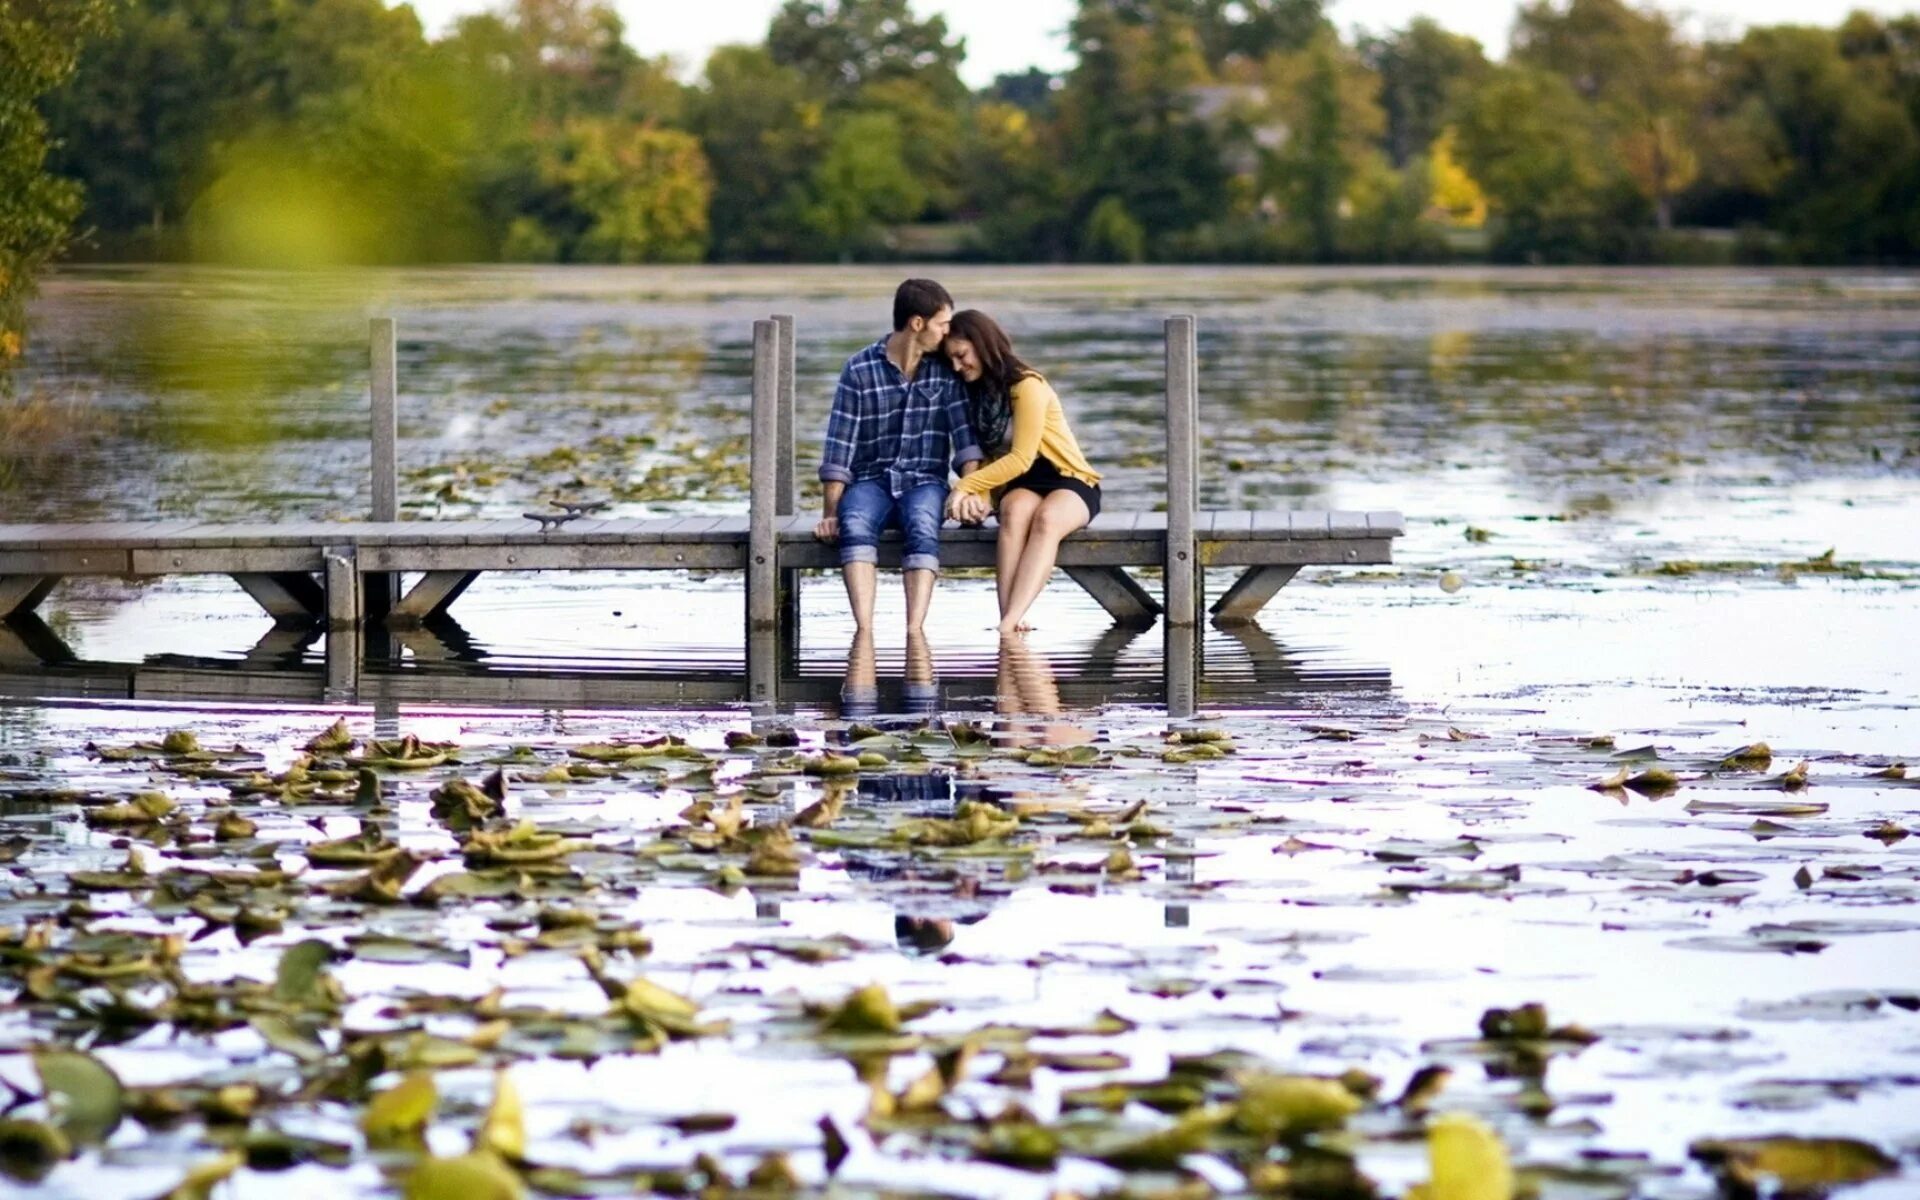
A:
(867, 507)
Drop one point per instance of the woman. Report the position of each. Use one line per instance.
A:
(1048, 489)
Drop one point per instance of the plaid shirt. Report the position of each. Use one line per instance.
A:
(883, 427)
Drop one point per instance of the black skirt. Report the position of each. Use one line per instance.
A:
(1045, 478)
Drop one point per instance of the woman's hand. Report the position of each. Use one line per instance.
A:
(968, 509)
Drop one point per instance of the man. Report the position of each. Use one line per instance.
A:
(899, 415)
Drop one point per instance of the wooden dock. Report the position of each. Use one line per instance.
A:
(345, 575)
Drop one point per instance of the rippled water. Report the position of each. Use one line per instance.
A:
(1636, 474)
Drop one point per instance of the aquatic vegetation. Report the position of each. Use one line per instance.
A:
(373, 875)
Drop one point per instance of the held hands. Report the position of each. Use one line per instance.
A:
(968, 509)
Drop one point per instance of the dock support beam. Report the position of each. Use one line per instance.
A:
(763, 575)
(21, 594)
(1250, 593)
(1113, 589)
(429, 598)
(344, 614)
(290, 597)
(1183, 463)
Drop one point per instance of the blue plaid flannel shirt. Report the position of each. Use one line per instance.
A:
(883, 427)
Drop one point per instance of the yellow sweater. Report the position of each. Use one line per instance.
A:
(1039, 427)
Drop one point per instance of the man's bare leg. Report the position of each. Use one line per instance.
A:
(919, 598)
(859, 577)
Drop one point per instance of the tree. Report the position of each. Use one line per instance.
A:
(1324, 98)
(843, 46)
(1540, 155)
(1644, 79)
(861, 184)
(643, 191)
(1827, 152)
(763, 133)
(1128, 116)
(140, 121)
(1422, 69)
(40, 42)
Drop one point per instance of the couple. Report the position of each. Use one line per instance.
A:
(947, 386)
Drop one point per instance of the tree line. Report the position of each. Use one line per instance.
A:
(322, 131)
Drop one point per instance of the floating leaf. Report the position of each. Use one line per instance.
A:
(202, 1178)
(402, 1111)
(1274, 1107)
(85, 1094)
(29, 1150)
(1467, 1161)
(1795, 1165)
(1749, 758)
(298, 978)
(504, 1130)
(475, 1176)
(869, 1010)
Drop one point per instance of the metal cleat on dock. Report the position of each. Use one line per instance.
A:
(569, 510)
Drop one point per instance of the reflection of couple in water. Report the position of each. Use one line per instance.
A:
(932, 900)
(947, 388)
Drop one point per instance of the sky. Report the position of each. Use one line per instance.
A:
(1011, 35)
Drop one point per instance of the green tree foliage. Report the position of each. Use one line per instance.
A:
(40, 41)
(1423, 69)
(1832, 155)
(1540, 153)
(310, 131)
(844, 46)
(1129, 121)
(1644, 80)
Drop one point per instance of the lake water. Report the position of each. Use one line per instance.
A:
(1636, 476)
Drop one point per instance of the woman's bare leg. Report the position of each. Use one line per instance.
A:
(1016, 514)
(1060, 514)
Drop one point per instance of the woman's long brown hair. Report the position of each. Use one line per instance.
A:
(990, 397)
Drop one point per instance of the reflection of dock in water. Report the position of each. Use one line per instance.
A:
(1234, 666)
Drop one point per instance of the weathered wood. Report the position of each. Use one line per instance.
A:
(1116, 591)
(1347, 552)
(1183, 669)
(1182, 577)
(1250, 593)
(290, 597)
(226, 560)
(786, 490)
(341, 575)
(63, 562)
(27, 642)
(344, 656)
(763, 580)
(712, 556)
(385, 392)
(429, 598)
(21, 594)
(786, 472)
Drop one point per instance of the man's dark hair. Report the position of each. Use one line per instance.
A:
(918, 298)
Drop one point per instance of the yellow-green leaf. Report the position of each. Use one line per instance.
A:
(475, 1176)
(402, 1110)
(504, 1131)
(1467, 1161)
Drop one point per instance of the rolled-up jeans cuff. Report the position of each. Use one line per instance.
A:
(854, 554)
(920, 562)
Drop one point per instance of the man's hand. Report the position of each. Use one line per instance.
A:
(827, 529)
(967, 508)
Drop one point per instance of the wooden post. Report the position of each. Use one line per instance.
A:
(379, 591)
(1182, 583)
(386, 428)
(787, 485)
(763, 597)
